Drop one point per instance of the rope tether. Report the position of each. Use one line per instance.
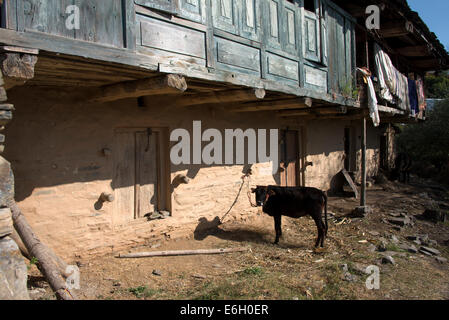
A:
(248, 178)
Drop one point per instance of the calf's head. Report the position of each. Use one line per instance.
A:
(262, 195)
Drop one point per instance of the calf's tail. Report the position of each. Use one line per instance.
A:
(325, 212)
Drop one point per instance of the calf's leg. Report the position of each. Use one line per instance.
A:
(278, 227)
(321, 232)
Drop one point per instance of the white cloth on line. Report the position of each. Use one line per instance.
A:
(372, 99)
(393, 84)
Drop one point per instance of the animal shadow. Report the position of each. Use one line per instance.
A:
(206, 228)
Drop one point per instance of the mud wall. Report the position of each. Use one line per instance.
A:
(56, 144)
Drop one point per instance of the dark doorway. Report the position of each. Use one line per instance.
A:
(383, 152)
(348, 149)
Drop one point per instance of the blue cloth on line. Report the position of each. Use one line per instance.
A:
(413, 95)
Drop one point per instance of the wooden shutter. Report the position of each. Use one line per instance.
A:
(324, 39)
(290, 30)
(194, 10)
(250, 19)
(224, 13)
(43, 16)
(312, 34)
(341, 38)
(273, 24)
(101, 21)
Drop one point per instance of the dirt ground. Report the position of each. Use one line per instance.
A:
(291, 270)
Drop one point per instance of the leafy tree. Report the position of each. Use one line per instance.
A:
(437, 86)
(428, 142)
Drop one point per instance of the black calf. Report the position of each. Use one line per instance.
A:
(294, 202)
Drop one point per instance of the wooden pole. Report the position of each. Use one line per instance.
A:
(363, 193)
(180, 253)
(49, 264)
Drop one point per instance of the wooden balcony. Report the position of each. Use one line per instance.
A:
(277, 45)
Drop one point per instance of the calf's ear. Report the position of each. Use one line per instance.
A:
(271, 193)
(253, 190)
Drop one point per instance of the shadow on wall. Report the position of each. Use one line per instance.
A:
(57, 140)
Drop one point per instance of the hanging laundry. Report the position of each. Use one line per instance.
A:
(383, 64)
(413, 95)
(422, 104)
(393, 84)
(372, 99)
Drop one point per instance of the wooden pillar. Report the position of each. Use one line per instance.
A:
(363, 147)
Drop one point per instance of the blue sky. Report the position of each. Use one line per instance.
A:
(435, 15)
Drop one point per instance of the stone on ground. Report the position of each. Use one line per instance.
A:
(13, 272)
(441, 260)
(432, 251)
(388, 260)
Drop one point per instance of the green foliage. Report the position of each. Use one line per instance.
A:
(428, 142)
(257, 271)
(437, 86)
(349, 90)
(143, 292)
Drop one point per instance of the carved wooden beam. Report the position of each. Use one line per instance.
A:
(220, 97)
(17, 65)
(273, 105)
(413, 51)
(167, 84)
(314, 112)
(426, 63)
(396, 29)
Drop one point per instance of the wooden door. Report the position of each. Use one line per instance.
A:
(290, 159)
(136, 174)
(124, 179)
